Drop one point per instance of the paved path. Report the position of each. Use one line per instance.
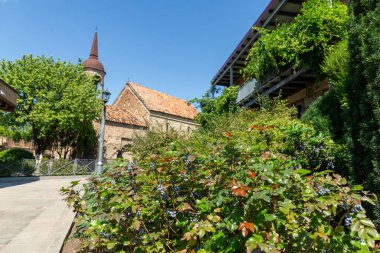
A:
(33, 217)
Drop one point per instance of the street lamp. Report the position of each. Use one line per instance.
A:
(105, 97)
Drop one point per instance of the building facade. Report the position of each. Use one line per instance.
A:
(138, 109)
(8, 97)
(300, 87)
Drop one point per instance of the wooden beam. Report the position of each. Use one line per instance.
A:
(277, 86)
(250, 42)
(299, 2)
(287, 14)
(231, 75)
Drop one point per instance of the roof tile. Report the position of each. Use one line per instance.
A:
(116, 114)
(160, 102)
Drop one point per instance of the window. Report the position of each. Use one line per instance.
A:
(126, 141)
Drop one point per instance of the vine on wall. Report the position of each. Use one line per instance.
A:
(305, 40)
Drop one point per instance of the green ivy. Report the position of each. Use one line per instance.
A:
(304, 41)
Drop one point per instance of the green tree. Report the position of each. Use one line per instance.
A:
(224, 104)
(363, 94)
(56, 106)
(328, 114)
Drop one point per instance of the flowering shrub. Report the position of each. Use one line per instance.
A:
(259, 181)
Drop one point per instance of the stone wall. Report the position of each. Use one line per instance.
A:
(128, 101)
(6, 142)
(117, 135)
(165, 122)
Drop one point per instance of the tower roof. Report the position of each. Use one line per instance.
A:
(92, 63)
(94, 48)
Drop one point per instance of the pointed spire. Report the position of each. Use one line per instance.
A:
(92, 65)
(94, 48)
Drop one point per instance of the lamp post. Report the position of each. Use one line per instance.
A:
(105, 97)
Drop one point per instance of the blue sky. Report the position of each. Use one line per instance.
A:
(174, 46)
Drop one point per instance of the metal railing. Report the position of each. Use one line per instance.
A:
(246, 90)
(48, 167)
(17, 168)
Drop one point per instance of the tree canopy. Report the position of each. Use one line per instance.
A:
(225, 103)
(56, 106)
(363, 88)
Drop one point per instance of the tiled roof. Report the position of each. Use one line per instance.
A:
(160, 102)
(115, 114)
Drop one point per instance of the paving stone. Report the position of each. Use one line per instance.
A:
(33, 216)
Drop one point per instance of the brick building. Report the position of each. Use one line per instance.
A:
(137, 109)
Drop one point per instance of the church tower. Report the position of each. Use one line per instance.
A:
(92, 66)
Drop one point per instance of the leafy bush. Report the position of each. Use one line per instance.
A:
(153, 140)
(11, 161)
(258, 181)
(329, 113)
(14, 154)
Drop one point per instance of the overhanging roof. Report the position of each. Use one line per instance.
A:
(277, 11)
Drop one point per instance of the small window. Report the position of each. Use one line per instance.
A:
(126, 141)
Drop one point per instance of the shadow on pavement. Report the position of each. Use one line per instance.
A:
(14, 181)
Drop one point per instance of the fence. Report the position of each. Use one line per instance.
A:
(28, 167)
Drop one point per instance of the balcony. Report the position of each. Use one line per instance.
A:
(247, 90)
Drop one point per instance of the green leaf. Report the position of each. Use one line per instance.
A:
(371, 242)
(362, 233)
(302, 172)
(355, 225)
(357, 187)
(373, 232)
(201, 232)
(366, 222)
(251, 244)
(111, 245)
(366, 199)
(75, 183)
(269, 217)
(159, 245)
